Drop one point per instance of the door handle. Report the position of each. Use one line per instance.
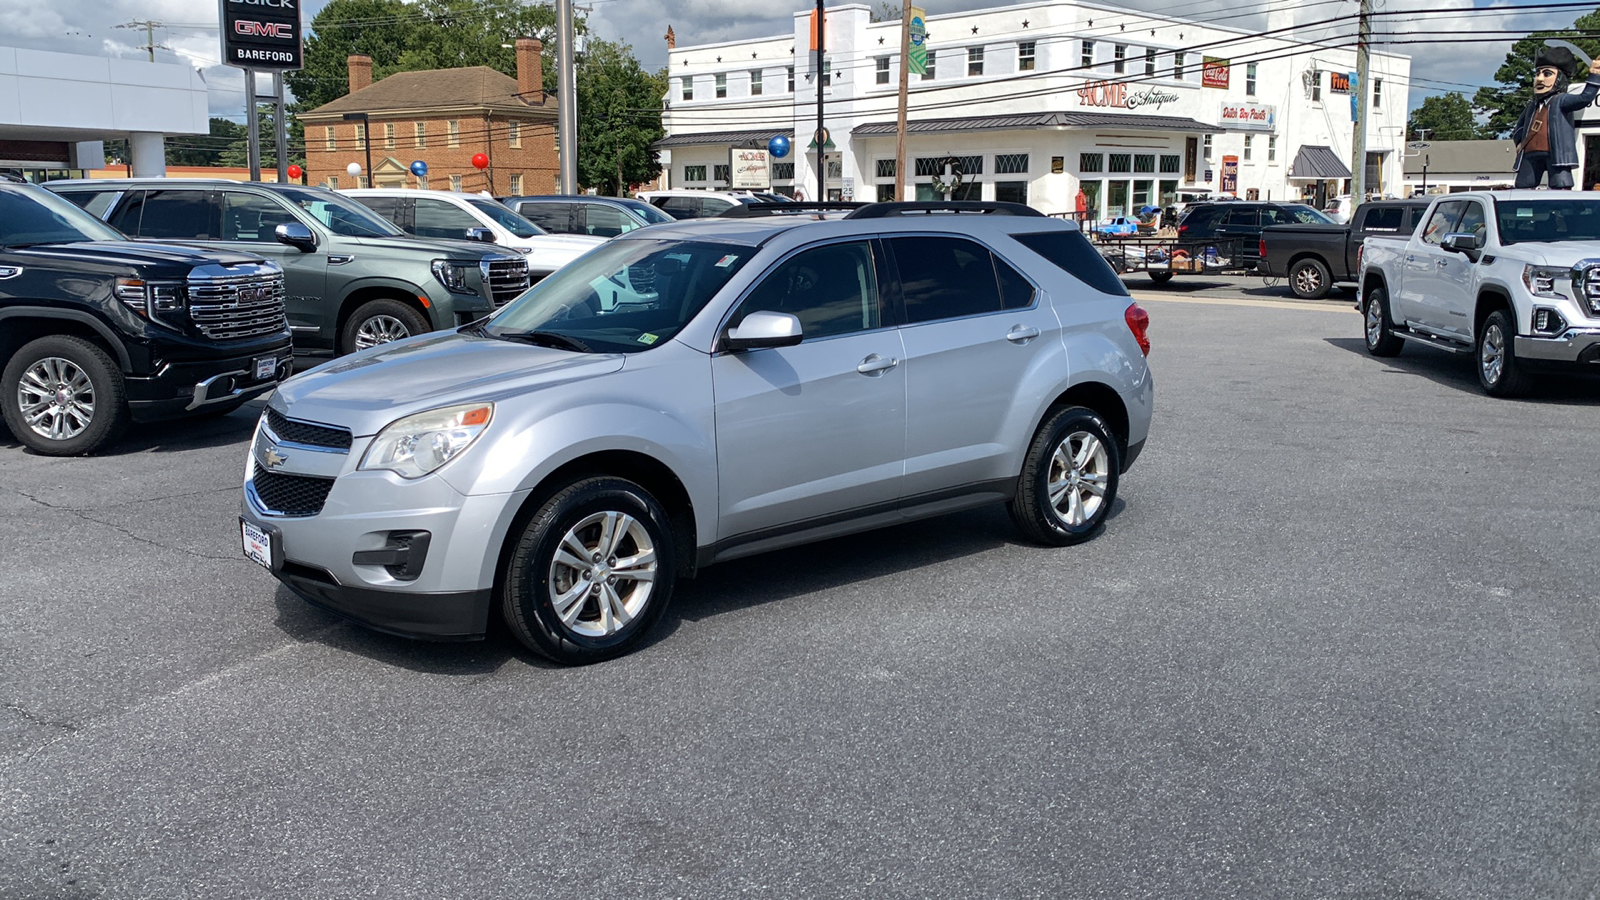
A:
(1411, 259)
(1021, 335)
(875, 364)
(1442, 262)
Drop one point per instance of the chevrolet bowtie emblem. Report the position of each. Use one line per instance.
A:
(273, 458)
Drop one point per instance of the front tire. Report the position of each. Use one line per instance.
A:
(1310, 279)
(1379, 328)
(63, 396)
(592, 573)
(379, 322)
(1069, 478)
(1498, 369)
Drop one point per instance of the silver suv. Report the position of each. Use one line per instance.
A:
(694, 393)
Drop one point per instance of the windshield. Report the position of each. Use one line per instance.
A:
(647, 212)
(625, 296)
(341, 215)
(36, 216)
(505, 218)
(1547, 221)
(1307, 215)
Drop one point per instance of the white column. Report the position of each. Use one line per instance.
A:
(148, 153)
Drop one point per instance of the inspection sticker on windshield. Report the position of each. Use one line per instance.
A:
(647, 338)
(1524, 212)
(726, 261)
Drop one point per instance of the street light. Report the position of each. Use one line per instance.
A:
(366, 138)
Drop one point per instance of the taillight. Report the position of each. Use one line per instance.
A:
(1138, 322)
(1182, 228)
(1261, 248)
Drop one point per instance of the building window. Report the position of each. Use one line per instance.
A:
(755, 82)
(1206, 152)
(835, 168)
(333, 182)
(974, 61)
(422, 135)
(783, 171)
(884, 168)
(422, 182)
(722, 86)
(722, 174)
(1091, 162)
(1011, 163)
(330, 142)
(1144, 162)
(1250, 80)
(361, 134)
(881, 65)
(455, 132)
(827, 73)
(388, 135)
(694, 173)
(927, 72)
(1025, 56)
(455, 183)
(1377, 93)
(1272, 148)
(1150, 61)
(1248, 140)
(688, 87)
(1177, 66)
(1011, 192)
(1121, 162)
(1119, 58)
(516, 184)
(1171, 163)
(1086, 56)
(514, 135)
(1315, 77)
(791, 79)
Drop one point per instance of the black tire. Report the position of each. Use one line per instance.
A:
(1377, 327)
(378, 322)
(86, 425)
(1161, 277)
(1310, 279)
(1062, 440)
(534, 574)
(1495, 351)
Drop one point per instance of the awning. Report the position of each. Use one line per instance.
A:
(1038, 120)
(751, 139)
(1317, 163)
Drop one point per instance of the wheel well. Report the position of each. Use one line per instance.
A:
(645, 471)
(1371, 282)
(364, 295)
(1103, 399)
(19, 330)
(1295, 260)
(1489, 300)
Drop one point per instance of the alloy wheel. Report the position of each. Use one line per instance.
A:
(380, 330)
(1492, 355)
(1374, 322)
(1307, 281)
(56, 398)
(1079, 474)
(602, 574)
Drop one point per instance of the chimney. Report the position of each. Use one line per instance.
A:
(360, 72)
(530, 70)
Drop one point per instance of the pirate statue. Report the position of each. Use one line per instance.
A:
(1546, 141)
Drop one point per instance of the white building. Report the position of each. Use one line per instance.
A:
(1038, 101)
(57, 109)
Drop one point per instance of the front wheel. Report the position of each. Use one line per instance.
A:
(1381, 339)
(379, 322)
(63, 396)
(1498, 369)
(1310, 279)
(1069, 478)
(592, 572)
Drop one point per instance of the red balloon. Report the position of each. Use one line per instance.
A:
(294, 171)
(480, 161)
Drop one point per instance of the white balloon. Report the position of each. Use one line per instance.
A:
(354, 169)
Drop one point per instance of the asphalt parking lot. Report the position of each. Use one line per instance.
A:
(1338, 639)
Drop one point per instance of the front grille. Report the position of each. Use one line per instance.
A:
(1588, 284)
(290, 495)
(235, 307)
(307, 433)
(505, 278)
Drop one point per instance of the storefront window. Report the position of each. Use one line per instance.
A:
(1143, 193)
(1169, 193)
(1011, 191)
(1091, 196)
(1116, 198)
(1121, 162)
(1171, 163)
(1091, 162)
(1144, 162)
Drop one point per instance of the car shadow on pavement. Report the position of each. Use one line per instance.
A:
(1455, 370)
(308, 624)
(172, 435)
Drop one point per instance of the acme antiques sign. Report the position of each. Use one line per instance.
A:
(1115, 94)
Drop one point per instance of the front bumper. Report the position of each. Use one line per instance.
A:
(185, 387)
(1578, 346)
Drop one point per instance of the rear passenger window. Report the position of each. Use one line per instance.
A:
(1246, 218)
(438, 219)
(1386, 218)
(945, 278)
(1070, 251)
(555, 218)
(388, 207)
(603, 221)
(95, 203)
(1016, 292)
(176, 214)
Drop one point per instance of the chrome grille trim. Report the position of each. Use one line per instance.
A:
(504, 277)
(235, 307)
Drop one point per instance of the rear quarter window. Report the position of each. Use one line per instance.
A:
(1070, 251)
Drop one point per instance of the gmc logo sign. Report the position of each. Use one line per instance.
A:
(279, 30)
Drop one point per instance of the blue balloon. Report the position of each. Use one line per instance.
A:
(778, 146)
(419, 168)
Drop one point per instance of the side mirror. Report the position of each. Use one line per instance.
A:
(296, 235)
(482, 235)
(1462, 242)
(763, 329)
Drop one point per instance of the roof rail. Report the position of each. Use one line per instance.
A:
(750, 210)
(924, 207)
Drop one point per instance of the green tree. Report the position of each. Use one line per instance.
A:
(237, 152)
(1446, 117)
(1503, 105)
(619, 117)
(204, 150)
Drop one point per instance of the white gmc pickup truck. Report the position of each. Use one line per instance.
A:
(1510, 276)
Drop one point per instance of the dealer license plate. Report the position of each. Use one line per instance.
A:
(266, 367)
(257, 543)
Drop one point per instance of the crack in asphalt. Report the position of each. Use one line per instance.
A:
(37, 719)
(85, 515)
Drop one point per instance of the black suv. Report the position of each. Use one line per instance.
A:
(96, 329)
(598, 216)
(1236, 225)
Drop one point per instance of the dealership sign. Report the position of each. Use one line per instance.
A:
(1248, 116)
(1214, 72)
(261, 34)
(750, 169)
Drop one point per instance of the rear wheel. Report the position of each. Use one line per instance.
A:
(1310, 279)
(1498, 370)
(1161, 277)
(379, 322)
(63, 396)
(1381, 339)
(1069, 478)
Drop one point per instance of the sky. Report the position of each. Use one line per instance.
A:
(1448, 60)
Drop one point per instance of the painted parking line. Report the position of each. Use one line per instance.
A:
(1143, 296)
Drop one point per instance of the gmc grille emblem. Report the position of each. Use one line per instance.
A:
(249, 295)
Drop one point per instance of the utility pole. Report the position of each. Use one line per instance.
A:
(149, 27)
(1358, 143)
(822, 133)
(905, 86)
(567, 97)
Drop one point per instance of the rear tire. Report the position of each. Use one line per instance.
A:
(1310, 279)
(1379, 328)
(379, 322)
(1498, 369)
(63, 396)
(1069, 478)
(1161, 277)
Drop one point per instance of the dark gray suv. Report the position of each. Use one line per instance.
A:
(597, 216)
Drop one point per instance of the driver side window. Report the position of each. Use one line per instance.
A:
(1472, 221)
(1439, 223)
(831, 289)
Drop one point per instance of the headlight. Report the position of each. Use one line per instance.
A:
(158, 302)
(452, 275)
(1541, 281)
(416, 445)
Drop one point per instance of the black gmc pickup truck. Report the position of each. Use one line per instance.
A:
(96, 330)
(1316, 257)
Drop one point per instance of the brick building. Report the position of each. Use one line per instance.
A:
(442, 117)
